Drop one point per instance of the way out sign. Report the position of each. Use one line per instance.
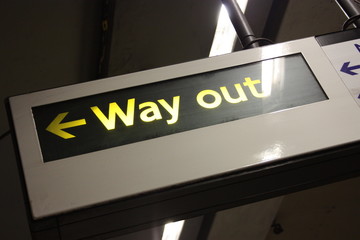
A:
(111, 139)
(154, 110)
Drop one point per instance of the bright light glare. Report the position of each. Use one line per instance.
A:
(225, 34)
(172, 230)
(272, 73)
(273, 152)
(267, 76)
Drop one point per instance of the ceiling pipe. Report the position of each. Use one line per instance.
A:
(351, 8)
(240, 23)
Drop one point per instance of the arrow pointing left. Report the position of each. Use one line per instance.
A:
(347, 69)
(56, 127)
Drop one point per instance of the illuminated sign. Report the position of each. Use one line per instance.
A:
(130, 115)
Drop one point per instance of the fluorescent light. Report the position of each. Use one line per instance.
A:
(172, 230)
(225, 34)
(242, 4)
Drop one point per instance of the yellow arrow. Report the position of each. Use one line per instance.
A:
(56, 127)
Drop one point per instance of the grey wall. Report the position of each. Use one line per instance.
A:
(307, 18)
(43, 44)
(150, 34)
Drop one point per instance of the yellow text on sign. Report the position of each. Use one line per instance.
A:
(149, 112)
(57, 126)
(225, 93)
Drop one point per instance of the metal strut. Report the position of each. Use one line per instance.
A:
(241, 25)
(351, 8)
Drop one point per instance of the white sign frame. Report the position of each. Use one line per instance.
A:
(98, 177)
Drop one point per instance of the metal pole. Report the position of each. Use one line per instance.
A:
(240, 23)
(350, 8)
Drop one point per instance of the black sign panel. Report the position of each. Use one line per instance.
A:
(120, 117)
